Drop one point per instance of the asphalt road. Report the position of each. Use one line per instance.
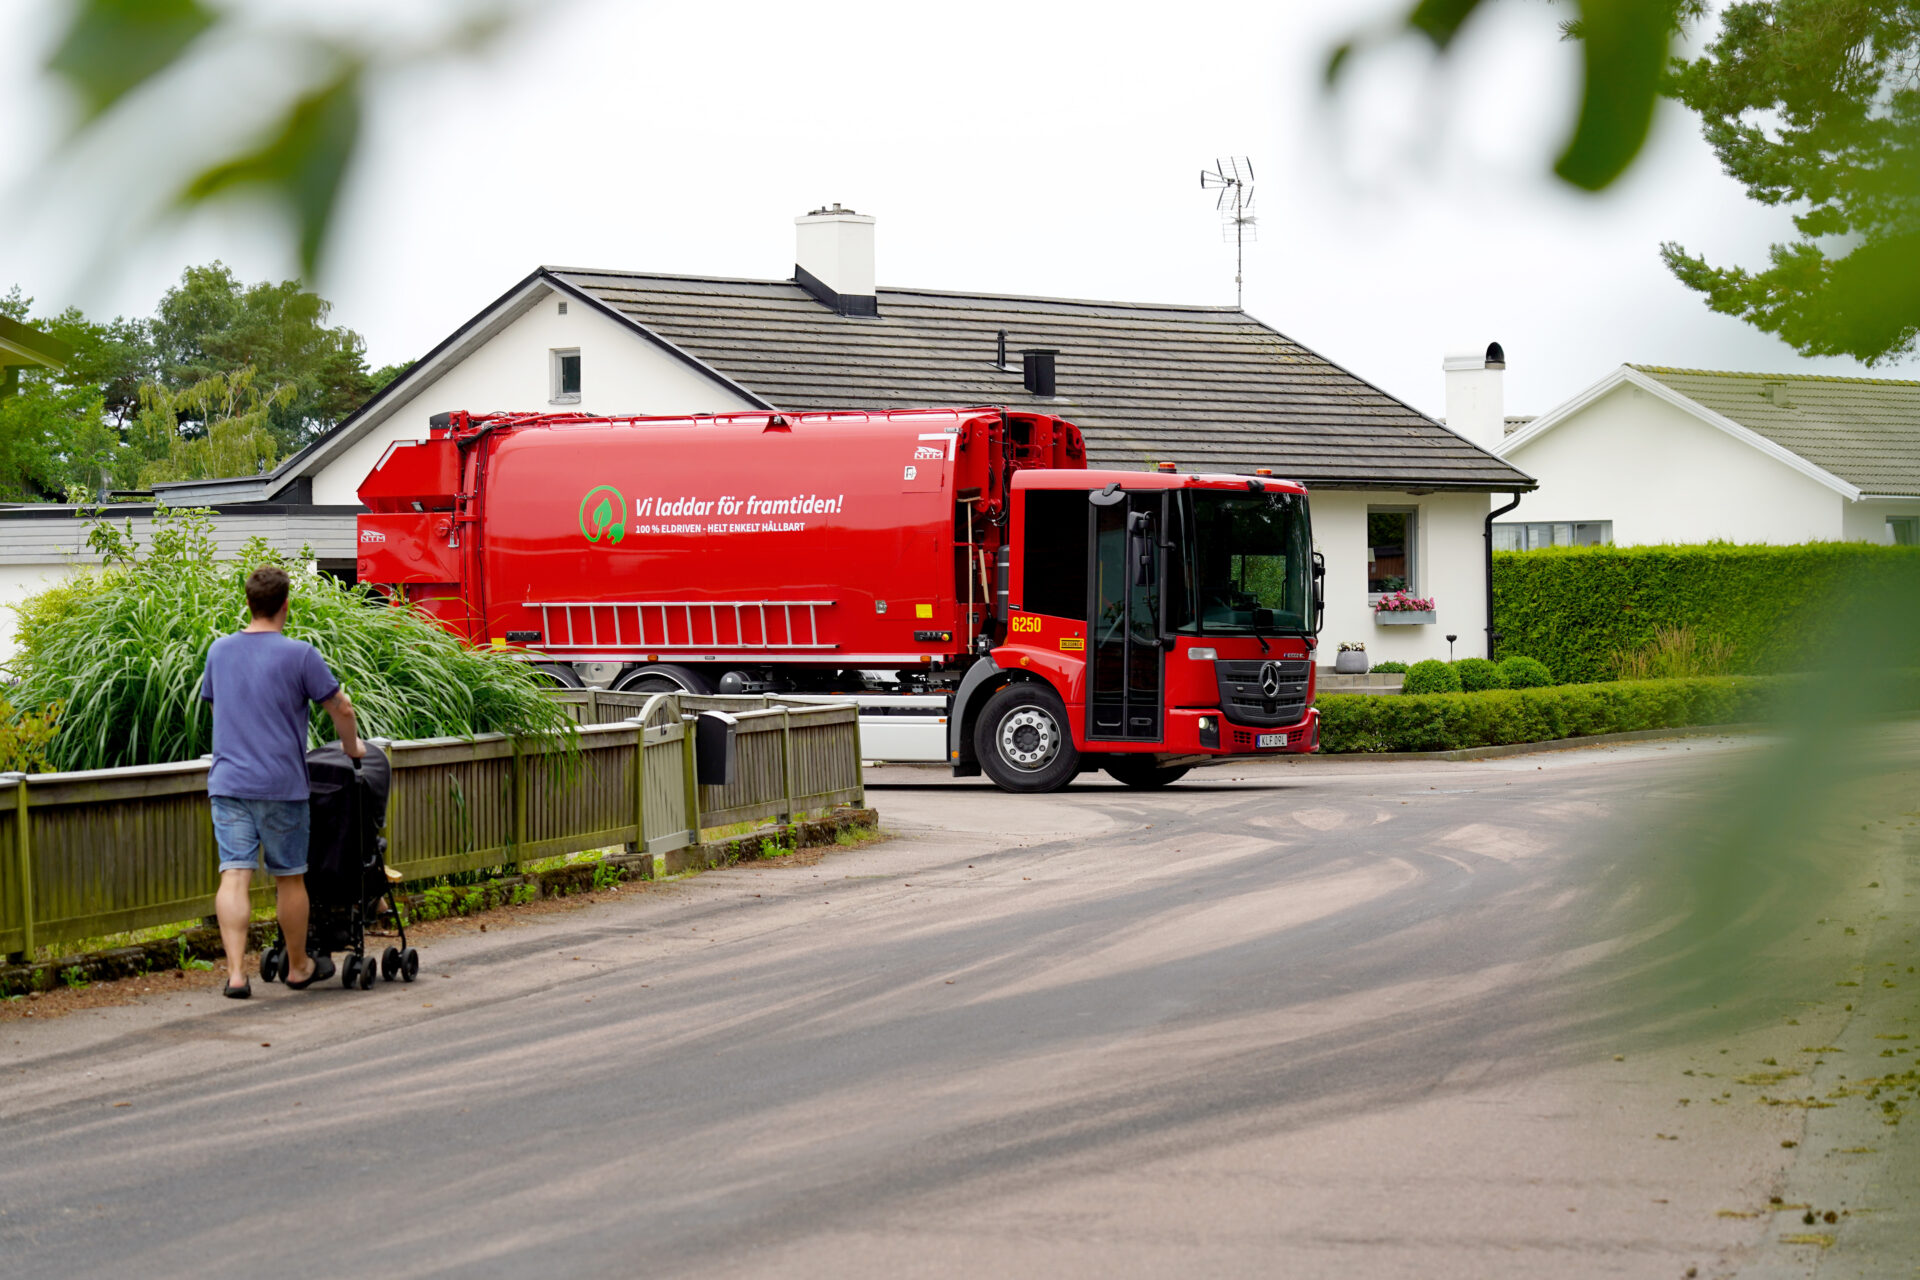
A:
(1319, 1018)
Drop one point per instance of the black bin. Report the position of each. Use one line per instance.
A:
(713, 748)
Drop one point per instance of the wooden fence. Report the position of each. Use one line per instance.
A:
(87, 854)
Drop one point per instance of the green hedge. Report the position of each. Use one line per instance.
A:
(1778, 608)
(1448, 721)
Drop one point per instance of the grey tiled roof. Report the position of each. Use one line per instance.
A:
(1208, 388)
(1864, 430)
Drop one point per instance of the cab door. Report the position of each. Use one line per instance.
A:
(1125, 661)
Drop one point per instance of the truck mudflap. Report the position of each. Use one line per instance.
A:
(976, 687)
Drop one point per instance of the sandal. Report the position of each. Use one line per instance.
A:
(241, 992)
(322, 970)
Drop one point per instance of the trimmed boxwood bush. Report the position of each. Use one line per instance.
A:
(1522, 672)
(1431, 676)
(1775, 608)
(1478, 675)
(1449, 721)
(1389, 668)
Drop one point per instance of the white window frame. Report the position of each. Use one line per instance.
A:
(1500, 526)
(554, 357)
(1413, 548)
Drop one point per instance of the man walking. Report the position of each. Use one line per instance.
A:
(260, 682)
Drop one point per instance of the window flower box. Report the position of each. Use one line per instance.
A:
(1400, 609)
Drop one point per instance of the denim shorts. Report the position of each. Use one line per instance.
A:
(245, 829)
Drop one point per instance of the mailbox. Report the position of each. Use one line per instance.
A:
(713, 748)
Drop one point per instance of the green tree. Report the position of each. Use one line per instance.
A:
(211, 324)
(1815, 104)
(217, 427)
(51, 437)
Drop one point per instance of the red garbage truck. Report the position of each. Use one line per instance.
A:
(987, 599)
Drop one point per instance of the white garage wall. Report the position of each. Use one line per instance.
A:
(1450, 567)
(1662, 475)
(620, 373)
(1866, 520)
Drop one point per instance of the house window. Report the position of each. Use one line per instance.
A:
(566, 376)
(1392, 535)
(563, 308)
(1524, 535)
(1903, 531)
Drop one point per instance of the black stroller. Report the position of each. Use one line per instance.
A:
(349, 892)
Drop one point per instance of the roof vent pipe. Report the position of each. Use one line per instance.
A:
(1037, 369)
(1000, 351)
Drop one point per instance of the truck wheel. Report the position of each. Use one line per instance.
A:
(1142, 772)
(1022, 742)
(663, 677)
(561, 673)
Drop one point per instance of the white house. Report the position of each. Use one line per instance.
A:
(1398, 500)
(1657, 455)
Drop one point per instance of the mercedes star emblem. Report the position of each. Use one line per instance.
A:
(1270, 679)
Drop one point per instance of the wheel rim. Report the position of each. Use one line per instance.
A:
(1030, 739)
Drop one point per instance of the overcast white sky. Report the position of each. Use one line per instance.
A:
(1041, 147)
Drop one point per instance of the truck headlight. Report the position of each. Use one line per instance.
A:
(1203, 655)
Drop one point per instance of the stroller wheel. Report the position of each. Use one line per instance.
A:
(390, 963)
(350, 973)
(409, 964)
(271, 965)
(368, 972)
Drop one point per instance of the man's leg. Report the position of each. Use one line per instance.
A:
(292, 909)
(234, 909)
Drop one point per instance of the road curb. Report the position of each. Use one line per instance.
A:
(1556, 744)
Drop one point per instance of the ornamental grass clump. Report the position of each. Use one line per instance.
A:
(120, 654)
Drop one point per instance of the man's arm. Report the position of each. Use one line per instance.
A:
(340, 708)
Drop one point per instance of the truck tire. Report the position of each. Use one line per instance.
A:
(562, 674)
(1141, 772)
(1022, 741)
(663, 677)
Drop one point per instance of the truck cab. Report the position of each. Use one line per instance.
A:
(1152, 621)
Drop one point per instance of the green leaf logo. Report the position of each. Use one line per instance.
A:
(607, 518)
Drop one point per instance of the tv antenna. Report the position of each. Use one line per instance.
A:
(1234, 181)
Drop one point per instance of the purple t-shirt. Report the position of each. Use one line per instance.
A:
(260, 683)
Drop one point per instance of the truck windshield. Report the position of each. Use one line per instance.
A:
(1245, 565)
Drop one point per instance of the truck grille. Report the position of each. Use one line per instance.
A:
(1249, 694)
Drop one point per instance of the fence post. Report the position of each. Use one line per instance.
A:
(639, 724)
(786, 765)
(859, 766)
(519, 799)
(687, 765)
(23, 847)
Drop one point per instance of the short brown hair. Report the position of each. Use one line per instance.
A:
(266, 590)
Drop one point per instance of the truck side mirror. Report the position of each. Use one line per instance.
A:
(1319, 590)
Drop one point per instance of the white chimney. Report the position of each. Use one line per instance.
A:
(833, 260)
(1476, 407)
